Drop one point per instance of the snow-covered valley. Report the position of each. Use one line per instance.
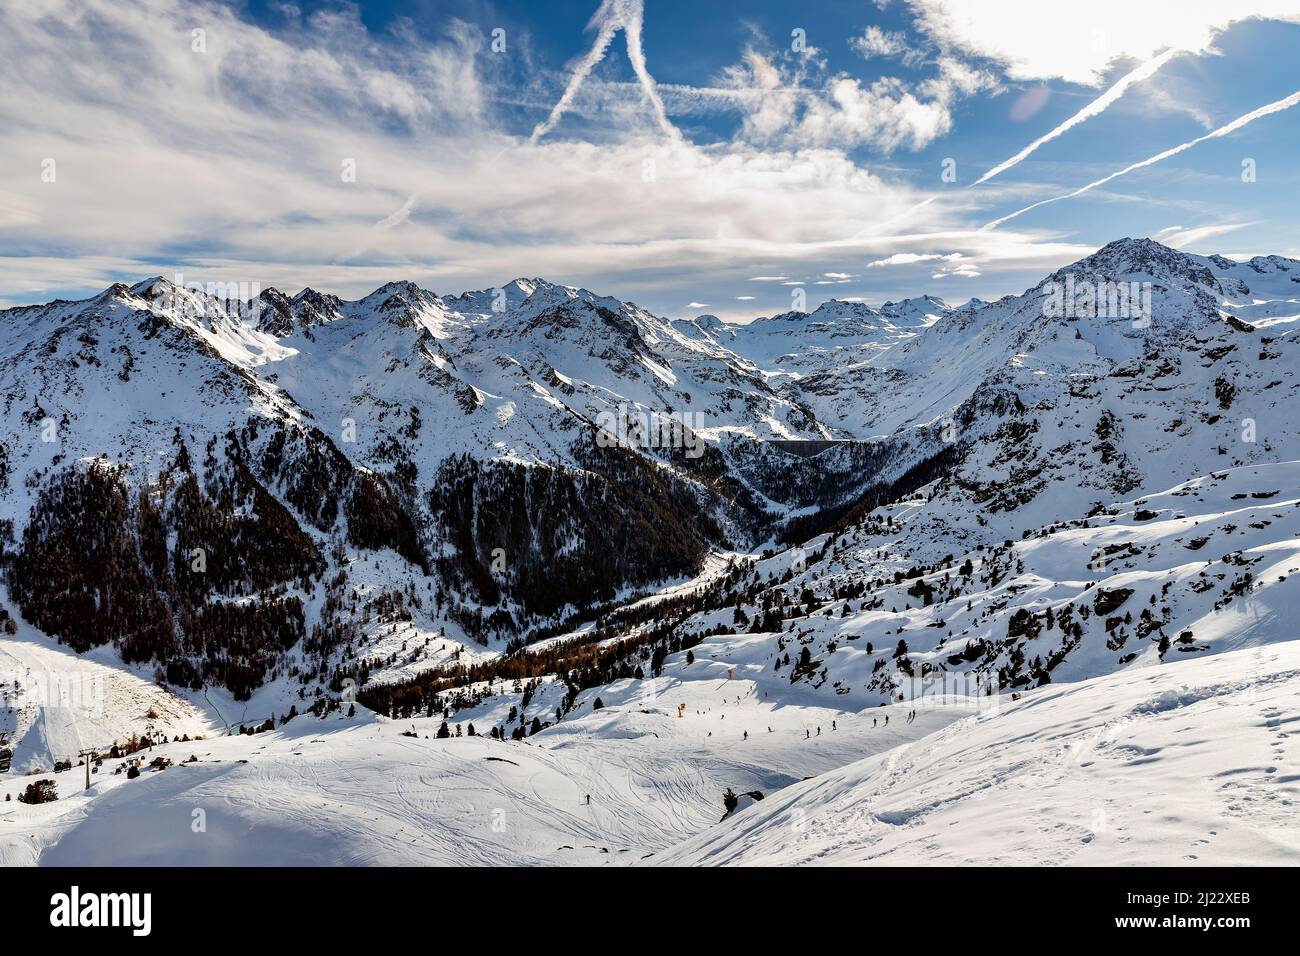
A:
(417, 579)
(1188, 763)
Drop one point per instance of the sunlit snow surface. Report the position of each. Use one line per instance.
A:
(1183, 763)
(1124, 758)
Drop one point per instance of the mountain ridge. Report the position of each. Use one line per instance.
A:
(458, 453)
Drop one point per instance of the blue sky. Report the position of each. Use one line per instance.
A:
(761, 148)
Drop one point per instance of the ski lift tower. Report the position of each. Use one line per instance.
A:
(85, 755)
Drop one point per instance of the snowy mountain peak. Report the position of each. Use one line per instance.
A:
(830, 310)
(205, 308)
(393, 293)
(1141, 259)
(920, 311)
(508, 297)
(931, 300)
(543, 294)
(403, 303)
(1267, 264)
(318, 306)
(151, 287)
(277, 314)
(118, 290)
(526, 287)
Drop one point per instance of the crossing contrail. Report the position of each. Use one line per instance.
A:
(612, 16)
(1094, 108)
(1238, 123)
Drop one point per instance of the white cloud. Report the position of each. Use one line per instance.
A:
(793, 102)
(226, 165)
(908, 258)
(1167, 101)
(876, 42)
(1179, 237)
(1035, 41)
(965, 272)
(1016, 33)
(233, 158)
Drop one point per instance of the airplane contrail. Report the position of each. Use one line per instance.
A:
(1275, 107)
(1099, 105)
(612, 16)
(636, 53)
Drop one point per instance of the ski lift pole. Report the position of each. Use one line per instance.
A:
(85, 756)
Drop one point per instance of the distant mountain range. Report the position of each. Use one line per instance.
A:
(236, 493)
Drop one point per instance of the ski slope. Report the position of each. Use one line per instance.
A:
(1183, 764)
(55, 702)
(356, 791)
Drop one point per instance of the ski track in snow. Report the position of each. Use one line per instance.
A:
(1185, 764)
(355, 791)
(1192, 762)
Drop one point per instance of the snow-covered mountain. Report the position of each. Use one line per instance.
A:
(504, 506)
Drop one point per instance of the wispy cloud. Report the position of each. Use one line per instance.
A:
(1179, 237)
(312, 150)
(876, 42)
(440, 189)
(908, 258)
(841, 111)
